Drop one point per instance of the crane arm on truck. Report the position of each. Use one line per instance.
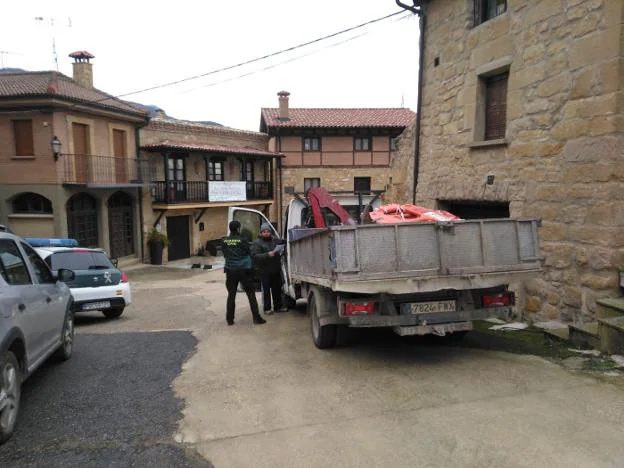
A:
(319, 198)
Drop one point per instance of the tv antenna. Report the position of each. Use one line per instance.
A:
(53, 23)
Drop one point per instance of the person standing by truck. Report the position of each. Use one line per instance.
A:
(266, 257)
(238, 269)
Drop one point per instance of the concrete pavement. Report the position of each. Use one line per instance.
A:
(264, 396)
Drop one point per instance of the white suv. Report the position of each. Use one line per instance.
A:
(36, 321)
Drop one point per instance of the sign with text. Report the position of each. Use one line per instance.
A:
(227, 191)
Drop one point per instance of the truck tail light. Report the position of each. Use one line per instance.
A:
(124, 278)
(498, 300)
(359, 308)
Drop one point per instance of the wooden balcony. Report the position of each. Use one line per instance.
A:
(186, 191)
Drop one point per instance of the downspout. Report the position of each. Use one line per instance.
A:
(280, 212)
(417, 9)
(137, 141)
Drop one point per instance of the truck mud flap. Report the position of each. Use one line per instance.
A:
(440, 330)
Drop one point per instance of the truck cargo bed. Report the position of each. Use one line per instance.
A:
(401, 258)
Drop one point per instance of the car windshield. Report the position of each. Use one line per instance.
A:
(80, 260)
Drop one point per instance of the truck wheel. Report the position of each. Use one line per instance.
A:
(324, 336)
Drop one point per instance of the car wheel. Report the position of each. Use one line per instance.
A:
(113, 313)
(67, 345)
(10, 392)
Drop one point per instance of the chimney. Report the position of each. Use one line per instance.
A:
(283, 105)
(83, 70)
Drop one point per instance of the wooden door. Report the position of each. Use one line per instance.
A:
(120, 225)
(82, 148)
(178, 233)
(120, 152)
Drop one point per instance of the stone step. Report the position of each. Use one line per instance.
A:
(559, 334)
(610, 307)
(128, 262)
(611, 334)
(585, 334)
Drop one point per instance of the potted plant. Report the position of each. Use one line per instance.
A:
(157, 242)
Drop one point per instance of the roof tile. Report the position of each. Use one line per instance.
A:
(56, 84)
(167, 145)
(345, 118)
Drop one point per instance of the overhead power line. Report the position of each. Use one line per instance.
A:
(284, 62)
(257, 59)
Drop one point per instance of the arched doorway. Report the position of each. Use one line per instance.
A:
(120, 224)
(82, 217)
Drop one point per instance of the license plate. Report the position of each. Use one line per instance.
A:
(432, 307)
(96, 305)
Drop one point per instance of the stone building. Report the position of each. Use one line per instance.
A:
(338, 149)
(197, 172)
(87, 185)
(530, 93)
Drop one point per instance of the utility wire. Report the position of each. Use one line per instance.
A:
(275, 65)
(257, 59)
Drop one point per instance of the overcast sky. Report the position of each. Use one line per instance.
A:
(138, 45)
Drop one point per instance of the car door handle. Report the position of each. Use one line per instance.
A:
(48, 299)
(21, 307)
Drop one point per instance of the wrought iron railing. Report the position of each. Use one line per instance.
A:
(182, 191)
(105, 170)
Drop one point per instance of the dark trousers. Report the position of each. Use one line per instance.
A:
(232, 278)
(271, 287)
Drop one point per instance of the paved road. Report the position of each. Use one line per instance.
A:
(264, 396)
(111, 405)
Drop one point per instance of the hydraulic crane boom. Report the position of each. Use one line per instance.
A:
(319, 198)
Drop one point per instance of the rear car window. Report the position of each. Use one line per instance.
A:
(12, 266)
(84, 260)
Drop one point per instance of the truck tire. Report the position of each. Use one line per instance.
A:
(324, 336)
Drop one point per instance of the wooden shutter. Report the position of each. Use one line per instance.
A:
(23, 137)
(119, 143)
(478, 15)
(496, 107)
(81, 138)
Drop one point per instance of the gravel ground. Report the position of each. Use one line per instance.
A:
(111, 405)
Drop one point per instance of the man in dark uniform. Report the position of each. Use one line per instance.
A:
(267, 260)
(237, 253)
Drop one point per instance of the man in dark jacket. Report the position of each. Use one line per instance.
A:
(237, 253)
(267, 259)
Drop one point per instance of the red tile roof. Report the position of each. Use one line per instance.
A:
(345, 118)
(171, 146)
(53, 84)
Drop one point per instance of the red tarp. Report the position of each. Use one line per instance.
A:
(392, 214)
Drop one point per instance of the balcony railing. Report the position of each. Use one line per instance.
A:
(186, 191)
(104, 170)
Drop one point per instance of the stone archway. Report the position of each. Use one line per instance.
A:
(121, 224)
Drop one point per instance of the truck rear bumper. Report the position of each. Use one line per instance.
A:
(503, 313)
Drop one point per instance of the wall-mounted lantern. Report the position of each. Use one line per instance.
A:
(56, 147)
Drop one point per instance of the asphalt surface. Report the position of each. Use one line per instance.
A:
(110, 405)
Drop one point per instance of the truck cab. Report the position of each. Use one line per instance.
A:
(298, 214)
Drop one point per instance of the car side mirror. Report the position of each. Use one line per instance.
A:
(115, 262)
(65, 275)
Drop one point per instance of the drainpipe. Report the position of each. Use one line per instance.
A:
(280, 210)
(417, 9)
(137, 141)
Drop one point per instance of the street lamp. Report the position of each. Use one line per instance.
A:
(56, 147)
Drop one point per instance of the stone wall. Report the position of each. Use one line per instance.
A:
(563, 158)
(333, 179)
